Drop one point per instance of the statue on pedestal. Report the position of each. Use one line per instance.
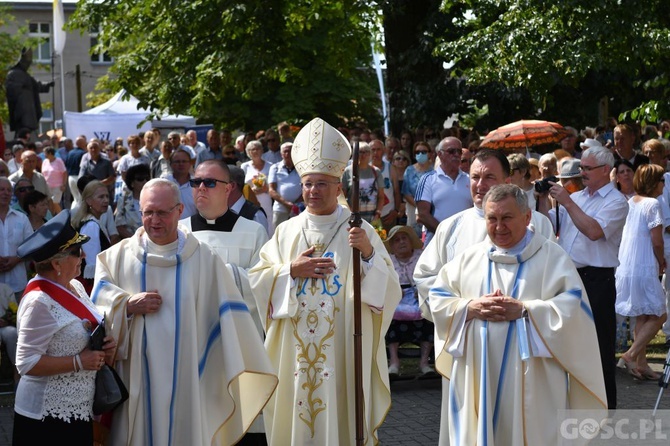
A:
(23, 94)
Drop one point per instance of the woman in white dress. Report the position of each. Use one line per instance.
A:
(256, 174)
(639, 291)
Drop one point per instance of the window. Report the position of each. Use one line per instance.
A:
(47, 121)
(98, 57)
(41, 31)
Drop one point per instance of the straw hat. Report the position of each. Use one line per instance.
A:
(320, 148)
(416, 242)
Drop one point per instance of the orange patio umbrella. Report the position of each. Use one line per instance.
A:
(524, 134)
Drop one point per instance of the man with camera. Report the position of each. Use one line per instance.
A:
(591, 227)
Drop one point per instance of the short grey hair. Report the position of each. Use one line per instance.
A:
(602, 155)
(251, 145)
(502, 191)
(162, 182)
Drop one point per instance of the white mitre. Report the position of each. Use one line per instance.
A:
(320, 148)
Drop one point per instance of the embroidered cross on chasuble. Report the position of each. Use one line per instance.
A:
(314, 330)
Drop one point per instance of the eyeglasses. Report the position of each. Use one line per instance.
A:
(319, 185)
(452, 151)
(159, 214)
(589, 168)
(23, 189)
(210, 183)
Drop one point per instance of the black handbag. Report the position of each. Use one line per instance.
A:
(110, 392)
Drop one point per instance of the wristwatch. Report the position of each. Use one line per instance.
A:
(524, 313)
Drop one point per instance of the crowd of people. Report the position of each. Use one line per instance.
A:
(198, 252)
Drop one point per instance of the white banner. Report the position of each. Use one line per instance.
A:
(106, 126)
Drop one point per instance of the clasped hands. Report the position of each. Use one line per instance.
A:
(495, 307)
(320, 267)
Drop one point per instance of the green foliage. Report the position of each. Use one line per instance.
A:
(249, 65)
(540, 46)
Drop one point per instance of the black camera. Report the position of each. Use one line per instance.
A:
(543, 186)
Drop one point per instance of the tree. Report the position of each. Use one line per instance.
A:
(240, 64)
(548, 48)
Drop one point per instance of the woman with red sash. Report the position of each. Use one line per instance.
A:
(54, 398)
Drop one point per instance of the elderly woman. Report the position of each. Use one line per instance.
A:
(54, 398)
(639, 292)
(94, 203)
(127, 216)
(256, 172)
(407, 326)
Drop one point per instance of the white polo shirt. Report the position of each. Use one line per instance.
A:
(447, 197)
(609, 208)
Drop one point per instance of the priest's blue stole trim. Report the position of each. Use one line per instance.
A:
(577, 293)
(503, 370)
(215, 333)
(145, 359)
(441, 292)
(147, 380)
(96, 290)
(177, 336)
(483, 386)
(455, 420)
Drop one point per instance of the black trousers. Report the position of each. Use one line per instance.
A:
(30, 432)
(601, 290)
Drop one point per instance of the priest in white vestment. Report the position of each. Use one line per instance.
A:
(236, 240)
(189, 353)
(463, 230)
(304, 289)
(514, 333)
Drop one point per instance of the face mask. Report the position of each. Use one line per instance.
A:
(422, 158)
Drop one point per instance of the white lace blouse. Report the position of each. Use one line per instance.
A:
(47, 328)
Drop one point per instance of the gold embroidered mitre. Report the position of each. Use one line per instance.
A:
(320, 148)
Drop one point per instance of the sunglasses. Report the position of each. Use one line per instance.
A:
(75, 252)
(209, 183)
(23, 189)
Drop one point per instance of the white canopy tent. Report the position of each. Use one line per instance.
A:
(119, 118)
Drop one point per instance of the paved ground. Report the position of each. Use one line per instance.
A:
(414, 418)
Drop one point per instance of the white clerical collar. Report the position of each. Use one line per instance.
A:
(316, 220)
(518, 248)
